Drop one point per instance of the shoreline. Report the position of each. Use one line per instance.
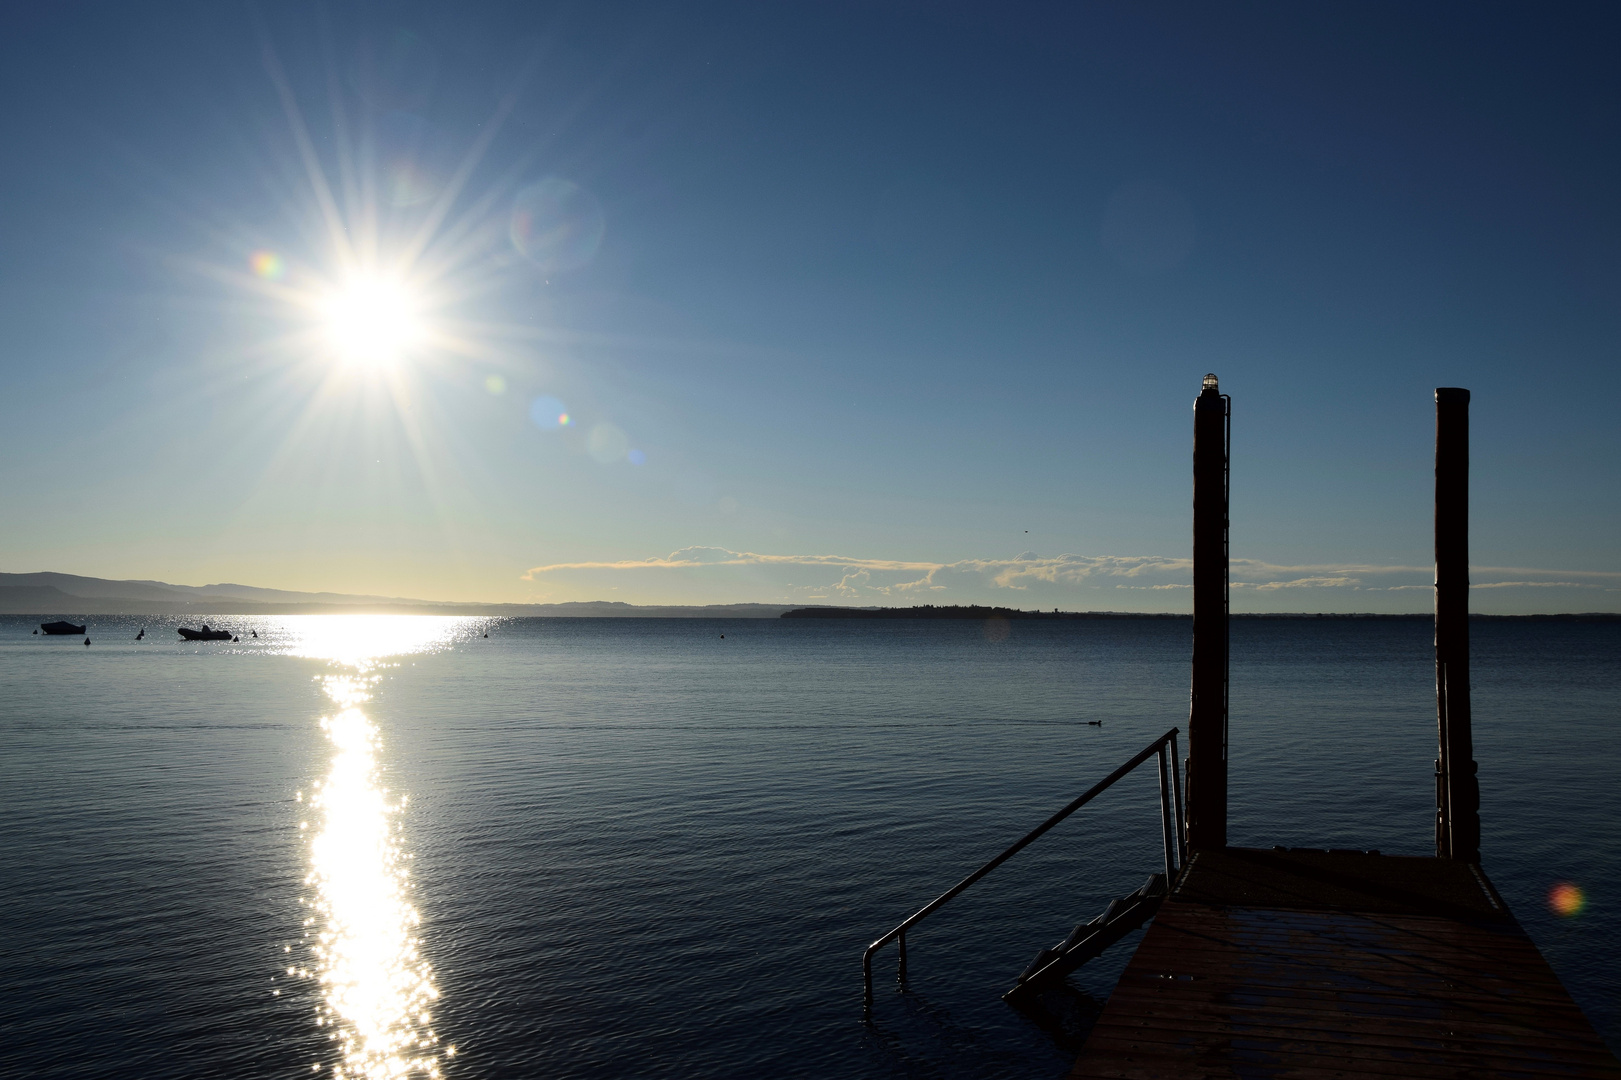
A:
(767, 612)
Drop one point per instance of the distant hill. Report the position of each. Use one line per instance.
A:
(963, 611)
(975, 611)
(54, 595)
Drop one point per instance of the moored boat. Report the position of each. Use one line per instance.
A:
(205, 634)
(60, 627)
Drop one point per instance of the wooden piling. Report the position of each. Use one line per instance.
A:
(1457, 790)
(1207, 713)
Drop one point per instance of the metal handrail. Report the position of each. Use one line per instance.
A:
(1175, 843)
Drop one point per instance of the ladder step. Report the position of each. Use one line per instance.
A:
(1043, 958)
(1077, 935)
(1089, 939)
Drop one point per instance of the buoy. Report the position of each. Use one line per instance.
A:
(141, 635)
(87, 641)
(256, 633)
(723, 637)
(236, 639)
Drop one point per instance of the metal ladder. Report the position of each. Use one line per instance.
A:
(1088, 939)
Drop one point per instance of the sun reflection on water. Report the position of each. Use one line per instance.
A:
(377, 989)
(364, 641)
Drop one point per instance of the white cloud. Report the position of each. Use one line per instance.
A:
(1024, 578)
(1320, 581)
(1535, 585)
(713, 556)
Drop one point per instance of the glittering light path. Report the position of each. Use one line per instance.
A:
(377, 990)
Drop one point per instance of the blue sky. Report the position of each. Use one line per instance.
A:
(878, 303)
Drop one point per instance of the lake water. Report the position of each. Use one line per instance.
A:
(598, 848)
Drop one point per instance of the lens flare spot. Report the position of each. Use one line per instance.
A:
(1148, 227)
(267, 265)
(409, 185)
(403, 148)
(557, 224)
(636, 457)
(495, 385)
(1567, 899)
(548, 414)
(608, 443)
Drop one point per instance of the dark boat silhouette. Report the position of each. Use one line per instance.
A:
(205, 634)
(61, 628)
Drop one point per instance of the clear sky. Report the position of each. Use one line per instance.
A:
(876, 302)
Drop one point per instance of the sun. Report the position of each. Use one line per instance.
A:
(372, 321)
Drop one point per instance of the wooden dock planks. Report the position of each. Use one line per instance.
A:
(1437, 980)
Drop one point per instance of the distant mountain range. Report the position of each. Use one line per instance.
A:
(965, 611)
(56, 595)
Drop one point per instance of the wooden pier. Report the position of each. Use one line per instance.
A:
(1316, 964)
(1300, 964)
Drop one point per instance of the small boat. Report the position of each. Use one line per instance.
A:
(61, 628)
(205, 634)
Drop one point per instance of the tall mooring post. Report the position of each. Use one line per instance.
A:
(1207, 715)
(1457, 790)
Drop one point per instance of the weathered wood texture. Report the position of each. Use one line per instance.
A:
(1432, 982)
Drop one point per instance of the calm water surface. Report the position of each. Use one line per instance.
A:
(392, 846)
